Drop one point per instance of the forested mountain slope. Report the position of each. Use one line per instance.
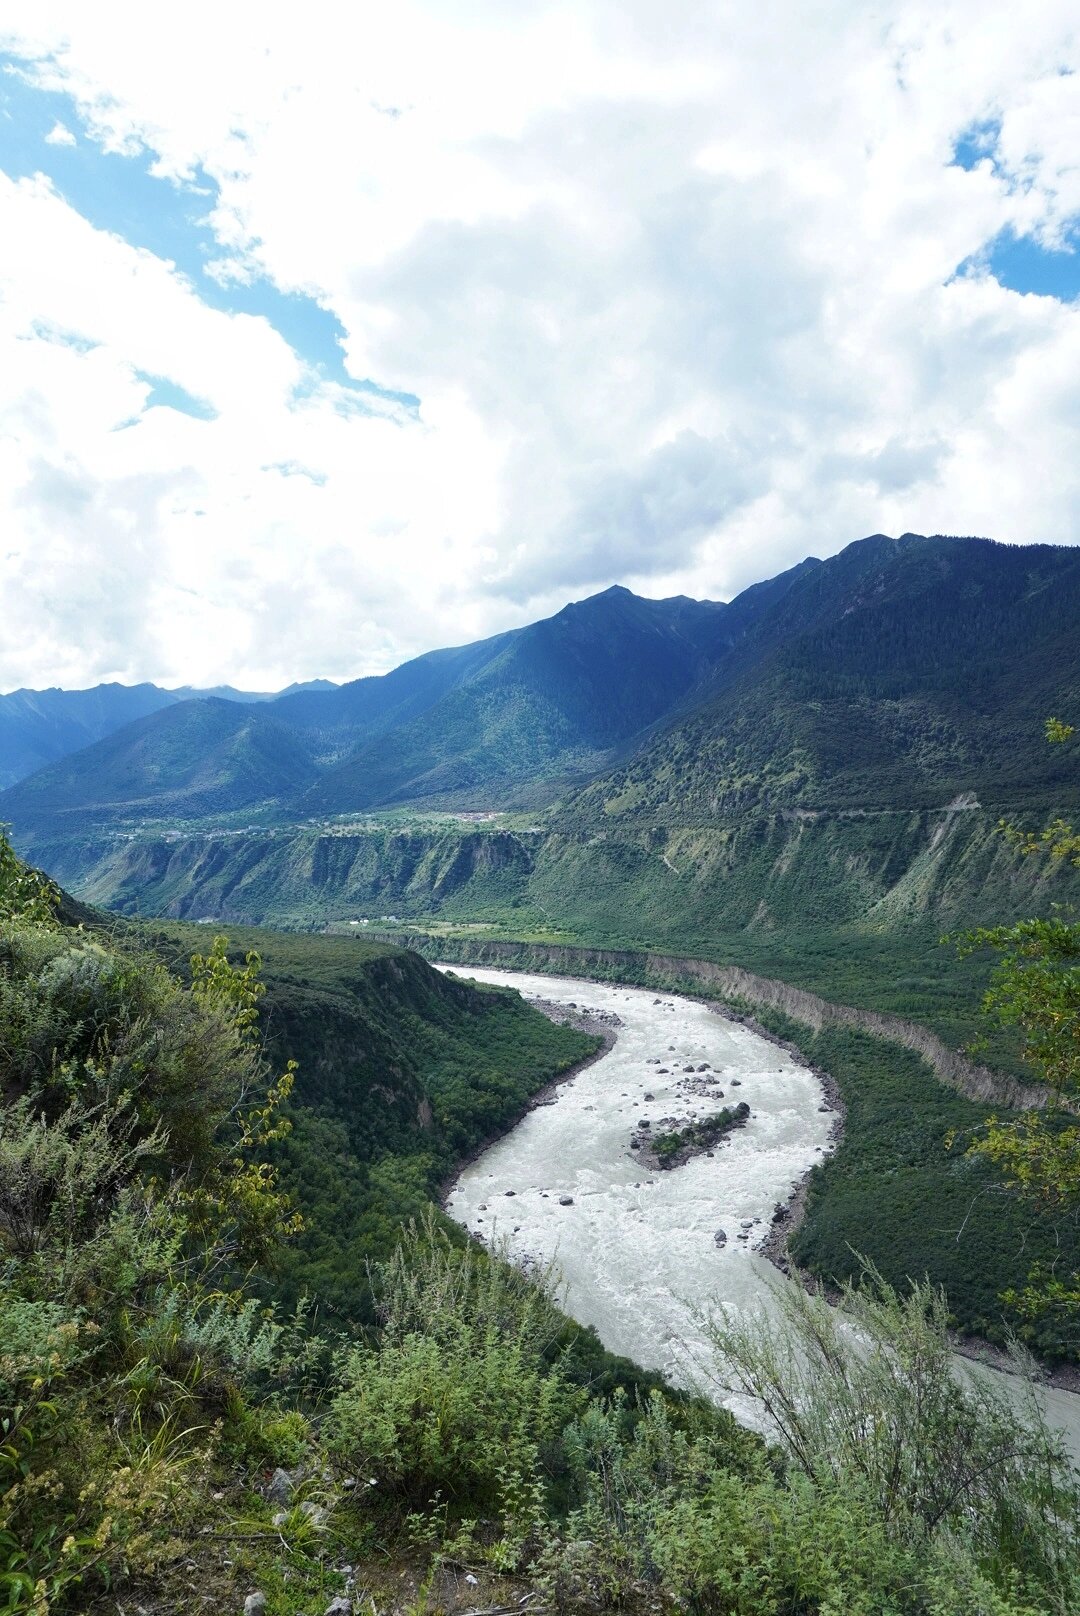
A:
(472, 725)
(556, 696)
(188, 760)
(894, 676)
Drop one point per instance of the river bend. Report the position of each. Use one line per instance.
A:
(637, 1250)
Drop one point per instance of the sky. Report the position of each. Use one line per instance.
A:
(332, 334)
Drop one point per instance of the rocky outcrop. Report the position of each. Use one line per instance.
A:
(732, 984)
(684, 1138)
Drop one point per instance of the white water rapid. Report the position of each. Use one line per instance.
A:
(637, 1249)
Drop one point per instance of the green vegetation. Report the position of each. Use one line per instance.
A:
(403, 1073)
(171, 1433)
(890, 1416)
(900, 1194)
(1035, 988)
(133, 1191)
(699, 1135)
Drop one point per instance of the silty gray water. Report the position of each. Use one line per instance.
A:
(637, 1249)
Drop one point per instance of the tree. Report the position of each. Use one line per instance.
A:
(1035, 986)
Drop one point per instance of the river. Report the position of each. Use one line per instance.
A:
(637, 1250)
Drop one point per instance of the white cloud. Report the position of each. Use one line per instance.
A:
(60, 135)
(674, 284)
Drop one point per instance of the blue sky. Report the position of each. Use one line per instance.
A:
(118, 193)
(1018, 262)
(396, 327)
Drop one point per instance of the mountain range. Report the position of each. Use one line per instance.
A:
(879, 707)
(38, 727)
(481, 725)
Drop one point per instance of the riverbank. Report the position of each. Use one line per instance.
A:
(790, 1215)
(867, 1201)
(710, 982)
(594, 1022)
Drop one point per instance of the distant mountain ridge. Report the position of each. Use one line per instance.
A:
(898, 674)
(39, 727)
(474, 725)
(835, 742)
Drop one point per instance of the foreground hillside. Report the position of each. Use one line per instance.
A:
(403, 1072)
(175, 1440)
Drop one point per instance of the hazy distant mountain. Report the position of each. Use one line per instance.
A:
(229, 693)
(38, 727)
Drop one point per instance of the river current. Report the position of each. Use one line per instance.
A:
(637, 1249)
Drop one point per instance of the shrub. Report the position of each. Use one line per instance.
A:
(458, 1398)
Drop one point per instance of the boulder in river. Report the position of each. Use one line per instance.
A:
(653, 1097)
(566, 1200)
(720, 1237)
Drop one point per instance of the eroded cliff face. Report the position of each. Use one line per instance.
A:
(733, 985)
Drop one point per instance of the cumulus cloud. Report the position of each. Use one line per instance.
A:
(677, 287)
(60, 135)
